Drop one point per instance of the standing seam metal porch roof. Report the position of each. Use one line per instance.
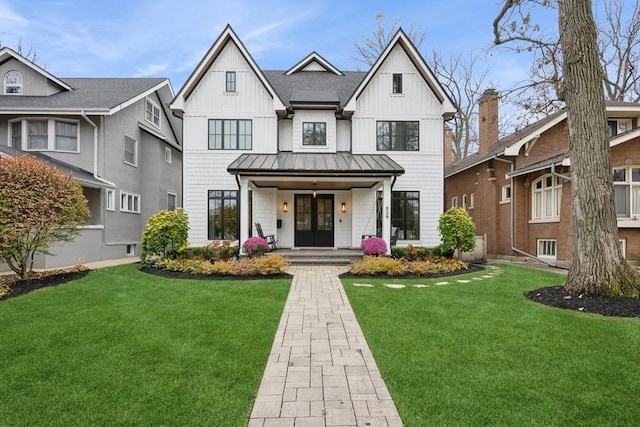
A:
(315, 164)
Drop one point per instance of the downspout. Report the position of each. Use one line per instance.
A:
(95, 150)
(512, 218)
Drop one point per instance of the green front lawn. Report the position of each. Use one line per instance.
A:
(120, 347)
(480, 353)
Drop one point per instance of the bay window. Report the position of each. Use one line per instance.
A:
(45, 135)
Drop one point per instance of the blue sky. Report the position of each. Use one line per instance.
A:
(167, 38)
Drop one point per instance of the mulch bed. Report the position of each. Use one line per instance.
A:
(180, 275)
(470, 269)
(43, 280)
(555, 296)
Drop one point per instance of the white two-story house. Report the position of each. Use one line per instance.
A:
(318, 156)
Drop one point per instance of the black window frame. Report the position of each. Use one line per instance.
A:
(395, 137)
(401, 208)
(316, 137)
(223, 196)
(235, 137)
(397, 83)
(230, 81)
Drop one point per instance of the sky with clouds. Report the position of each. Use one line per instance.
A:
(167, 38)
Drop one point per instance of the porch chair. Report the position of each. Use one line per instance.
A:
(270, 238)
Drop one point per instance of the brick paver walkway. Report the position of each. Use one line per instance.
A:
(320, 371)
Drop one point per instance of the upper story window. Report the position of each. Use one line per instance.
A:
(130, 151)
(152, 113)
(230, 134)
(314, 133)
(397, 83)
(230, 85)
(13, 83)
(618, 126)
(398, 136)
(546, 197)
(45, 135)
(454, 202)
(626, 187)
(506, 194)
(167, 154)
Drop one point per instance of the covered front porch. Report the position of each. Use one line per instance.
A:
(305, 200)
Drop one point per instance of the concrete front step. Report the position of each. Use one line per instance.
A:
(320, 256)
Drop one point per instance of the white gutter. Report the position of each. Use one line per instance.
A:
(95, 149)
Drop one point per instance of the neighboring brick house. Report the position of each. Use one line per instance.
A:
(318, 156)
(517, 189)
(116, 136)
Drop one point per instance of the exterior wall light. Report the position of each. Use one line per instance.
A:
(343, 207)
(285, 207)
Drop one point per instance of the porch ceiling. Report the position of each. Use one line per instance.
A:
(310, 184)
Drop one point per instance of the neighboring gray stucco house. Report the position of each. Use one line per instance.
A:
(318, 156)
(116, 136)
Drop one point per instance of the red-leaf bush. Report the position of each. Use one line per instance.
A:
(374, 246)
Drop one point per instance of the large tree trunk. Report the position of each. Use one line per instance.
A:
(597, 266)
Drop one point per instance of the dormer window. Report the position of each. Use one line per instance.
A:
(152, 113)
(397, 83)
(13, 83)
(230, 85)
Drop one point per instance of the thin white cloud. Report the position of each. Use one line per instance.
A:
(150, 70)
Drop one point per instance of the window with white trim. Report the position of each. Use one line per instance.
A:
(13, 83)
(506, 194)
(167, 154)
(111, 199)
(152, 113)
(45, 135)
(626, 189)
(454, 202)
(472, 200)
(618, 126)
(547, 248)
(623, 247)
(464, 202)
(546, 197)
(131, 250)
(130, 151)
(129, 202)
(171, 201)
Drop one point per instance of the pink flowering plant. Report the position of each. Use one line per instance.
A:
(374, 246)
(255, 246)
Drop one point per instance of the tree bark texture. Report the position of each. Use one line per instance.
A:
(597, 267)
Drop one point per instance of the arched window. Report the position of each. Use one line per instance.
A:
(546, 197)
(13, 83)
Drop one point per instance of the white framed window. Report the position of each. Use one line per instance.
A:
(13, 83)
(464, 202)
(623, 247)
(33, 134)
(172, 201)
(130, 151)
(167, 154)
(472, 200)
(131, 250)
(111, 199)
(546, 198)
(129, 202)
(152, 113)
(506, 194)
(547, 248)
(454, 202)
(618, 126)
(626, 188)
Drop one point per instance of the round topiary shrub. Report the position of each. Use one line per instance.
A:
(255, 246)
(374, 246)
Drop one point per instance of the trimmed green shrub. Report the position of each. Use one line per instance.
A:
(165, 233)
(443, 251)
(457, 230)
(399, 252)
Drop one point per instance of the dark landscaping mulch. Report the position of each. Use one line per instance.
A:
(180, 275)
(607, 306)
(43, 280)
(470, 269)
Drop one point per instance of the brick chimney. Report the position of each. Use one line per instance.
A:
(488, 120)
(448, 146)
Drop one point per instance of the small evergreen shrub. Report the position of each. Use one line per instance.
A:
(255, 246)
(443, 250)
(374, 246)
(399, 252)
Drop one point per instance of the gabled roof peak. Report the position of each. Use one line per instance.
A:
(6, 53)
(314, 62)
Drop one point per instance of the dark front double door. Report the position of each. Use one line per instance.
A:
(314, 220)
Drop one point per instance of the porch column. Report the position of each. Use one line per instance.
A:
(386, 213)
(244, 211)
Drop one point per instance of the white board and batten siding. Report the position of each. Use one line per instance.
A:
(206, 169)
(314, 116)
(424, 168)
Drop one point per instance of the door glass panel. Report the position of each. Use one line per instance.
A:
(303, 213)
(325, 215)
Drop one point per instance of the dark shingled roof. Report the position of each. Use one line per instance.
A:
(83, 176)
(87, 94)
(316, 164)
(315, 86)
